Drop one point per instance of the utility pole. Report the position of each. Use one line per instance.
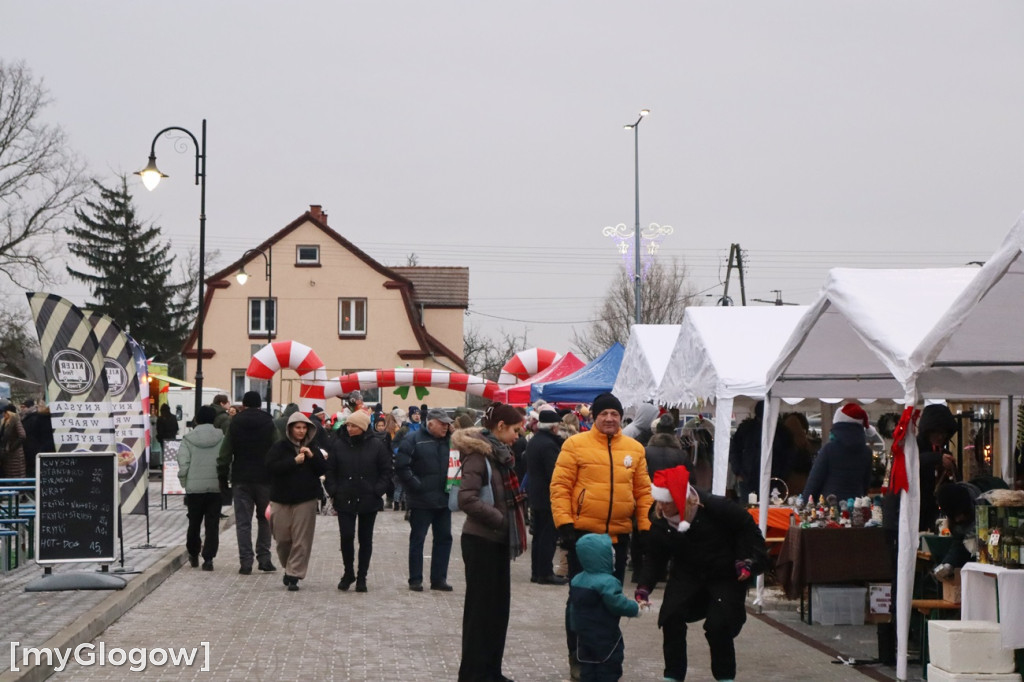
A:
(735, 256)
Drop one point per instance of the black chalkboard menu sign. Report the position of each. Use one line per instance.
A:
(76, 507)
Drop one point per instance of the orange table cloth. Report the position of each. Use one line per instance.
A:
(778, 524)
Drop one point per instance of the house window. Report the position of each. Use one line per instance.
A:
(240, 384)
(307, 254)
(352, 317)
(262, 316)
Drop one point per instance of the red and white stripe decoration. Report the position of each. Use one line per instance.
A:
(293, 355)
(525, 364)
(431, 378)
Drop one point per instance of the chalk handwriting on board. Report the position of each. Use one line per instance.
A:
(76, 507)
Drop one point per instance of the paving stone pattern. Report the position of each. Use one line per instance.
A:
(259, 631)
(31, 618)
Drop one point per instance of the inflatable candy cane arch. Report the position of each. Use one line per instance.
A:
(292, 355)
(432, 378)
(525, 364)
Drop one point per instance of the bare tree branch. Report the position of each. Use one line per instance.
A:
(41, 180)
(664, 295)
(485, 356)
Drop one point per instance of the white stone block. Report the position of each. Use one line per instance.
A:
(940, 675)
(968, 646)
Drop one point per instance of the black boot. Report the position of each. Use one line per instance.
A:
(346, 581)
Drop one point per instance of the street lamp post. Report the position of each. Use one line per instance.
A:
(242, 277)
(635, 127)
(151, 177)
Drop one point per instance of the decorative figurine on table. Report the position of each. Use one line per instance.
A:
(858, 513)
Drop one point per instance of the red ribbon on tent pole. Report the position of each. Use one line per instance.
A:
(897, 479)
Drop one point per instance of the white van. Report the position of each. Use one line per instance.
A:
(182, 402)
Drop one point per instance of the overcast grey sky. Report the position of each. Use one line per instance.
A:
(813, 133)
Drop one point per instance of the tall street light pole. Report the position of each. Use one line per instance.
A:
(635, 127)
(242, 277)
(151, 177)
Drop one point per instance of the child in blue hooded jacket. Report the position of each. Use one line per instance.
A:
(596, 603)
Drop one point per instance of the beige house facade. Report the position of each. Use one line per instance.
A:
(354, 312)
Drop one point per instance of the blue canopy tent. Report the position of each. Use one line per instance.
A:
(585, 384)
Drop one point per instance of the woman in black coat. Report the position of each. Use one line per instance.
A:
(358, 473)
(715, 549)
(295, 466)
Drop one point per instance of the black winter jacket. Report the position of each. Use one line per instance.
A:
(243, 453)
(934, 419)
(291, 482)
(721, 533)
(843, 465)
(422, 466)
(664, 451)
(541, 455)
(358, 472)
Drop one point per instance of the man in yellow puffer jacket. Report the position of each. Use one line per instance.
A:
(600, 485)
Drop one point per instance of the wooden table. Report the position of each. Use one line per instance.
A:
(816, 556)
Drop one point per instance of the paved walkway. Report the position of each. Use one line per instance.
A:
(256, 630)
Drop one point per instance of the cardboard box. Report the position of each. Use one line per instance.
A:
(879, 598)
(968, 646)
(951, 588)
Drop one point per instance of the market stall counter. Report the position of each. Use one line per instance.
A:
(816, 556)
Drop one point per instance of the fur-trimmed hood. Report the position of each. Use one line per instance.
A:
(665, 440)
(472, 441)
(479, 441)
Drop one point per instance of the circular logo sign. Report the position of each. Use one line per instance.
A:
(72, 372)
(117, 376)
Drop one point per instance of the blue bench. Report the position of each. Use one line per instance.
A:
(7, 535)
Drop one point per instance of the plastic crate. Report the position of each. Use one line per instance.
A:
(838, 605)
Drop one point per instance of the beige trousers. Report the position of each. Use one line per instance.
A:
(292, 526)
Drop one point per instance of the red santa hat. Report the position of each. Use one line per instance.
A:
(673, 485)
(854, 414)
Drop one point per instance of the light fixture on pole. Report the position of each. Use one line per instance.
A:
(269, 320)
(151, 177)
(635, 127)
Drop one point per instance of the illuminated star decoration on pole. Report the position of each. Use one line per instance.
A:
(650, 237)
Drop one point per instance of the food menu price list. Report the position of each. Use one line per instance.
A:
(76, 508)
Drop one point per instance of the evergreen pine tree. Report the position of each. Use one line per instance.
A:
(129, 268)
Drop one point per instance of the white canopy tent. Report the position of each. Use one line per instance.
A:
(910, 334)
(644, 362)
(721, 354)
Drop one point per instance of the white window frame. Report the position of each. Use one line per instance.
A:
(247, 384)
(299, 260)
(353, 329)
(261, 330)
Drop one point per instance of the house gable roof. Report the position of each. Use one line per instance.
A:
(438, 285)
(441, 287)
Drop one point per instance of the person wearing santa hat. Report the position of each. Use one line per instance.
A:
(843, 465)
(712, 549)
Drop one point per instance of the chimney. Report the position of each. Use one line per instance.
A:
(316, 212)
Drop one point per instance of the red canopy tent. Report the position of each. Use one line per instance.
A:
(520, 393)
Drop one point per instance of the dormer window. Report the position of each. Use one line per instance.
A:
(307, 254)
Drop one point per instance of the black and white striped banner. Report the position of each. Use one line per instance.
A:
(76, 380)
(126, 410)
